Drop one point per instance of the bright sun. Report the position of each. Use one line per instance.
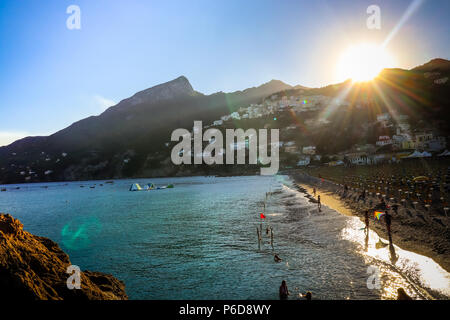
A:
(363, 62)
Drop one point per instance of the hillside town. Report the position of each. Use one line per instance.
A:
(405, 142)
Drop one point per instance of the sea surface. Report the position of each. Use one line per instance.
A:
(199, 240)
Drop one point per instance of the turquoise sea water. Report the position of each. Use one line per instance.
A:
(199, 241)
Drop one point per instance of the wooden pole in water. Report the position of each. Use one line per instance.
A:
(271, 237)
(259, 238)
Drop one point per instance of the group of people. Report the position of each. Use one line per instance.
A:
(284, 292)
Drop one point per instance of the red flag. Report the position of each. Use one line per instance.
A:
(263, 216)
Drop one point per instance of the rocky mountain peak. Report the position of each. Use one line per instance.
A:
(177, 88)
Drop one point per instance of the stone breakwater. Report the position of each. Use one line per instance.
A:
(34, 268)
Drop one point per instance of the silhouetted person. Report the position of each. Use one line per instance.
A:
(362, 196)
(388, 217)
(366, 220)
(319, 204)
(314, 192)
(402, 295)
(284, 292)
(366, 242)
(392, 255)
(308, 296)
(382, 205)
(395, 208)
(345, 190)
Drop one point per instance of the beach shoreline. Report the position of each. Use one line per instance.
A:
(412, 229)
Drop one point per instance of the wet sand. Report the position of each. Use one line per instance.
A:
(413, 229)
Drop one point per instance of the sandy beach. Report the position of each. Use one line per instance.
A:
(413, 229)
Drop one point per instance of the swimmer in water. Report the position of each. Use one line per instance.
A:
(277, 258)
(284, 291)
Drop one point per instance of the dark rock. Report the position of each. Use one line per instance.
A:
(34, 268)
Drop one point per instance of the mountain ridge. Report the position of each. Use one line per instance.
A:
(178, 88)
(141, 127)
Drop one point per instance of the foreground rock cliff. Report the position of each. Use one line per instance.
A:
(34, 268)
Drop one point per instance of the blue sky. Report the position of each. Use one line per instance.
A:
(51, 76)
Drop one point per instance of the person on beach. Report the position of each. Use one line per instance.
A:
(395, 208)
(381, 206)
(307, 296)
(362, 196)
(319, 204)
(284, 292)
(345, 190)
(402, 295)
(387, 218)
(314, 192)
(366, 220)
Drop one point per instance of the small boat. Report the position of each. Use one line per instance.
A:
(148, 187)
(151, 186)
(135, 187)
(3, 189)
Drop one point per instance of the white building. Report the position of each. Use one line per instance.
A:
(309, 150)
(304, 161)
(441, 80)
(235, 115)
(383, 117)
(383, 141)
(436, 144)
(291, 149)
(357, 158)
